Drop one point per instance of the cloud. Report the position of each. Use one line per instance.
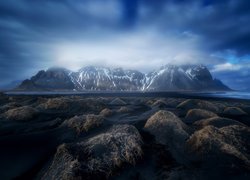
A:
(226, 67)
(142, 50)
(236, 76)
(137, 34)
(222, 24)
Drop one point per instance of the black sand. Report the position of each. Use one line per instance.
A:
(28, 145)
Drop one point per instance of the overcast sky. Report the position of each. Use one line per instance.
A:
(134, 34)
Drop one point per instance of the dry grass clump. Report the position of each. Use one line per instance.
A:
(218, 122)
(24, 113)
(106, 112)
(227, 147)
(84, 123)
(8, 106)
(160, 103)
(65, 164)
(72, 105)
(92, 121)
(124, 109)
(56, 104)
(164, 125)
(246, 108)
(121, 144)
(197, 104)
(234, 111)
(97, 157)
(169, 130)
(198, 114)
(150, 102)
(118, 102)
(172, 102)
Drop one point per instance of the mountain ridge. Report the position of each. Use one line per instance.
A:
(97, 78)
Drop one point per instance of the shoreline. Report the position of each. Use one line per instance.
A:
(205, 95)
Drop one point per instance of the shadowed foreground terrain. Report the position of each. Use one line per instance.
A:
(75, 137)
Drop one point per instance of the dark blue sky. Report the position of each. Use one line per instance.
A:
(137, 34)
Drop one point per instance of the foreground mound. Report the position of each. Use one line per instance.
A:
(98, 157)
(124, 109)
(226, 148)
(160, 104)
(84, 123)
(198, 114)
(106, 112)
(197, 104)
(118, 102)
(246, 108)
(24, 113)
(234, 111)
(218, 122)
(73, 105)
(169, 130)
(9, 106)
(56, 104)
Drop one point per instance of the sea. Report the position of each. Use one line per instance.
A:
(231, 94)
(181, 94)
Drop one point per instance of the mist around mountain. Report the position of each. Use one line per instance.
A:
(166, 78)
(11, 85)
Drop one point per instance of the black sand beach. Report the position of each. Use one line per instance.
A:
(119, 136)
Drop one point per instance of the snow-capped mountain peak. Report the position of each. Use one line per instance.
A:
(168, 77)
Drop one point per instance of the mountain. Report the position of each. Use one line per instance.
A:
(169, 77)
(53, 78)
(186, 77)
(100, 78)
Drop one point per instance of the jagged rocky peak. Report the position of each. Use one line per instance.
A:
(53, 78)
(102, 78)
(200, 72)
(168, 77)
(57, 73)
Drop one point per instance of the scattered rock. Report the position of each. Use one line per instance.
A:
(197, 104)
(168, 130)
(198, 114)
(84, 123)
(24, 113)
(106, 112)
(234, 111)
(98, 157)
(118, 102)
(226, 148)
(218, 122)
